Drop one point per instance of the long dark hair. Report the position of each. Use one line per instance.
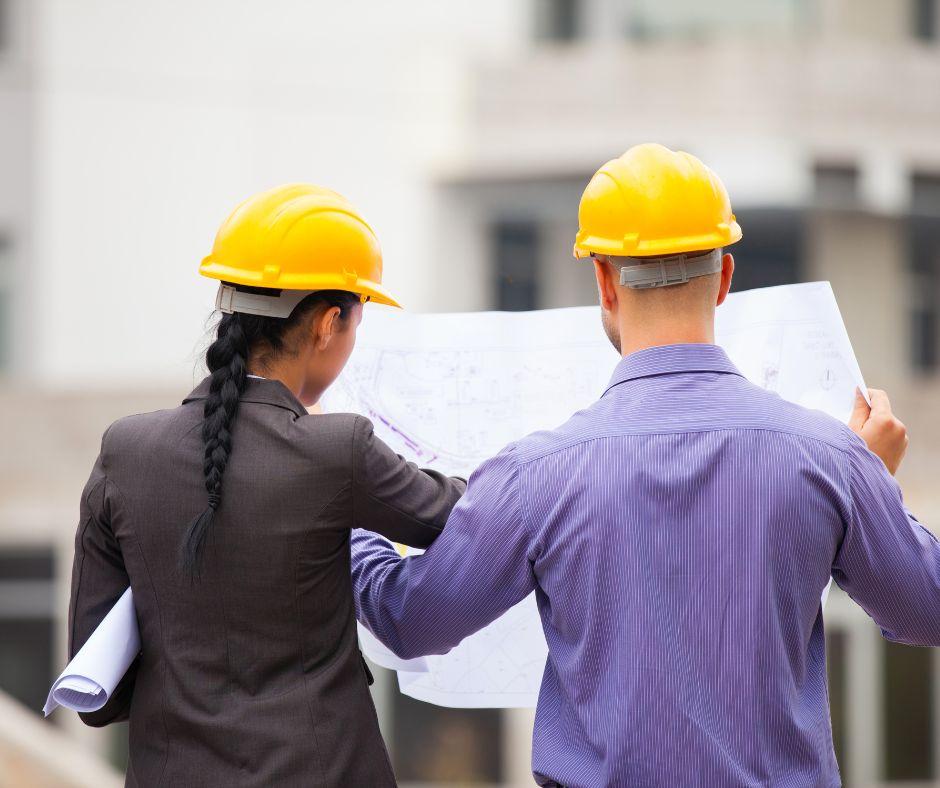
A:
(227, 360)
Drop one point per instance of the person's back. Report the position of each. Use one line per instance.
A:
(250, 672)
(701, 516)
(258, 655)
(230, 518)
(678, 534)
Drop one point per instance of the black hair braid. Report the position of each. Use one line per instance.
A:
(227, 360)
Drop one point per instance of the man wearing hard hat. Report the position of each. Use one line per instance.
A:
(678, 533)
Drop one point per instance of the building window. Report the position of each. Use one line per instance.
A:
(908, 721)
(771, 251)
(691, 20)
(924, 328)
(26, 624)
(924, 266)
(836, 185)
(515, 256)
(6, 287)
(925, 19)
(925, 194)
(836, 669)
(4, 24)
(558, 20)
(435, 745)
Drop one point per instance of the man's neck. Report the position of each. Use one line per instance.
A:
(634, 338)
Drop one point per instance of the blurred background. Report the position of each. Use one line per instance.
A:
(465, 131)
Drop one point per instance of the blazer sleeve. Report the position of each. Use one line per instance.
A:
(394, 497)
(98, 581)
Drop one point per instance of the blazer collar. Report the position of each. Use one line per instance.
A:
(670, 360)
(261, 391)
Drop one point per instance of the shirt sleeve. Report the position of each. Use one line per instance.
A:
(888, 562)
(396, 498)
(479, 567)
(98, 581)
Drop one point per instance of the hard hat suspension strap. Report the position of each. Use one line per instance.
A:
(642, 273)
(280, 303)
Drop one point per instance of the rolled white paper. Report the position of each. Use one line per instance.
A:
(89, 679)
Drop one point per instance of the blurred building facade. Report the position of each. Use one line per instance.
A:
(466, 133)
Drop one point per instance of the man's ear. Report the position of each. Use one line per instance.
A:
(606, 288)
(727, 271)
(324, 327)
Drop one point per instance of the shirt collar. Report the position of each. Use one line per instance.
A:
(259, 390)
(671, 360)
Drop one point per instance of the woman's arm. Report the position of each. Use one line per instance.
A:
(395, 498)
(480, 567)
(98, 581)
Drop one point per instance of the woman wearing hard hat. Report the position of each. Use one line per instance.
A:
(230, 517)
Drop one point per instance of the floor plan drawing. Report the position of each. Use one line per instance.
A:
(448, 405)
(448, 391)
(501, 665)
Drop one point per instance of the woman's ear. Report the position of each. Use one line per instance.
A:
(325, 326)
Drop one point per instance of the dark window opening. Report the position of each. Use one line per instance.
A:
(4, 24)
(925, 194)
(27, 565)
(27, 599)
(925, 19)
(26, 659)
(6, 283)
(836, 644)
(558, 20)
(908, 721)
(515, 255)
(836, 185)
(924, 330)
(119, 746)
(440, 746)
(924, 267)
(772, 249)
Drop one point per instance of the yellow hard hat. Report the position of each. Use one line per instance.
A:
(296, 237)
(653, 201)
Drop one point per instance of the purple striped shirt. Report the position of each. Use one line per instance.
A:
(678, 534)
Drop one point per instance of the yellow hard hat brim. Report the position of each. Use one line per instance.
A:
(725, 235)
(307, 281)
(298, 237)
(378, 294)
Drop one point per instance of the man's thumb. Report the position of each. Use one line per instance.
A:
(860, 412)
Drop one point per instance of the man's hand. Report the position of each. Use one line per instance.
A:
(884, 433)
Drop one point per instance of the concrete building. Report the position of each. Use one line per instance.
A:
(466, 132)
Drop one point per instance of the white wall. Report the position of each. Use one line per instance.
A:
(154, 119)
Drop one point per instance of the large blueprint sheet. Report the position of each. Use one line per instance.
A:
(448, 391)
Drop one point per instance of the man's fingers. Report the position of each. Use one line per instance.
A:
(880, 404)
(860, 412)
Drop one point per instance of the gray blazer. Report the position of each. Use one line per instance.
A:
(250, 676)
